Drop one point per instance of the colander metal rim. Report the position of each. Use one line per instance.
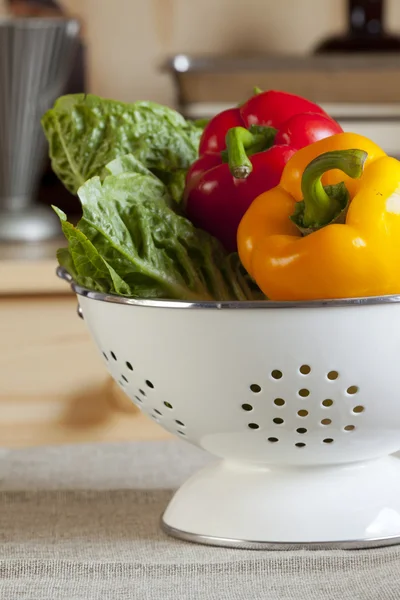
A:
(227, 304)
(210, 540)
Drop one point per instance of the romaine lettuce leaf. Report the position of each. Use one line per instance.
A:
(131, 242)
(86, 132)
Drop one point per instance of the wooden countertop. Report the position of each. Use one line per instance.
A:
(54, 387)
(30, 268)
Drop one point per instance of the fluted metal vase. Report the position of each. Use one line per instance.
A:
(36, 56)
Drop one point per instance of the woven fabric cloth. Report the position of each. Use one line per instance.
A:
(82, 523)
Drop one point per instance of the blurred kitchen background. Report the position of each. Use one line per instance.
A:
(204, 56)
(199, 56)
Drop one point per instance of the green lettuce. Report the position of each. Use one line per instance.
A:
(86, 132)
(132, 241)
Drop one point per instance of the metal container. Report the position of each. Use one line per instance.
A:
(299, 402)
(362, 93)
(35, 60)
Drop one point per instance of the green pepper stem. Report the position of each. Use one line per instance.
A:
(242, 143)
(319, 207)
(201, 123)
(256, 91)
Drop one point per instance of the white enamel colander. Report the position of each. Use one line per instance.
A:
(300, 403)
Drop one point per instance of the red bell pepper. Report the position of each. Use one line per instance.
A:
(243, 152)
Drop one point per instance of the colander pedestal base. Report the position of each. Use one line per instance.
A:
(252, 506)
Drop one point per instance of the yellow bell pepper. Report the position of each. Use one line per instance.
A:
(301, 251)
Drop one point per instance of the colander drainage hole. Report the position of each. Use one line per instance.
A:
(181, 432)
(278, 421)
(168, 405)
(328, 441)
(180, 423)
(142, 392)
(273, 440)
(326, 421)
(255, 388)
(276, 374)
(253, 426)
(353, 389)
(128, 364)
(113, 355)
(301, 430)
(105, 355)
(279, 402)
(158, 412)
(247, 407)
(349, 428)
(304, 393)
(300, 445)
(150, 384)
(302, 413)
(138, 399)
(124, 378)
(327, 403)
(358, 409)
(305, 369)
(332, 375)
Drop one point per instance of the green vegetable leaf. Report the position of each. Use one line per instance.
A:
(129, 164)
(82, 260)
(86, 132)
(131, 242)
